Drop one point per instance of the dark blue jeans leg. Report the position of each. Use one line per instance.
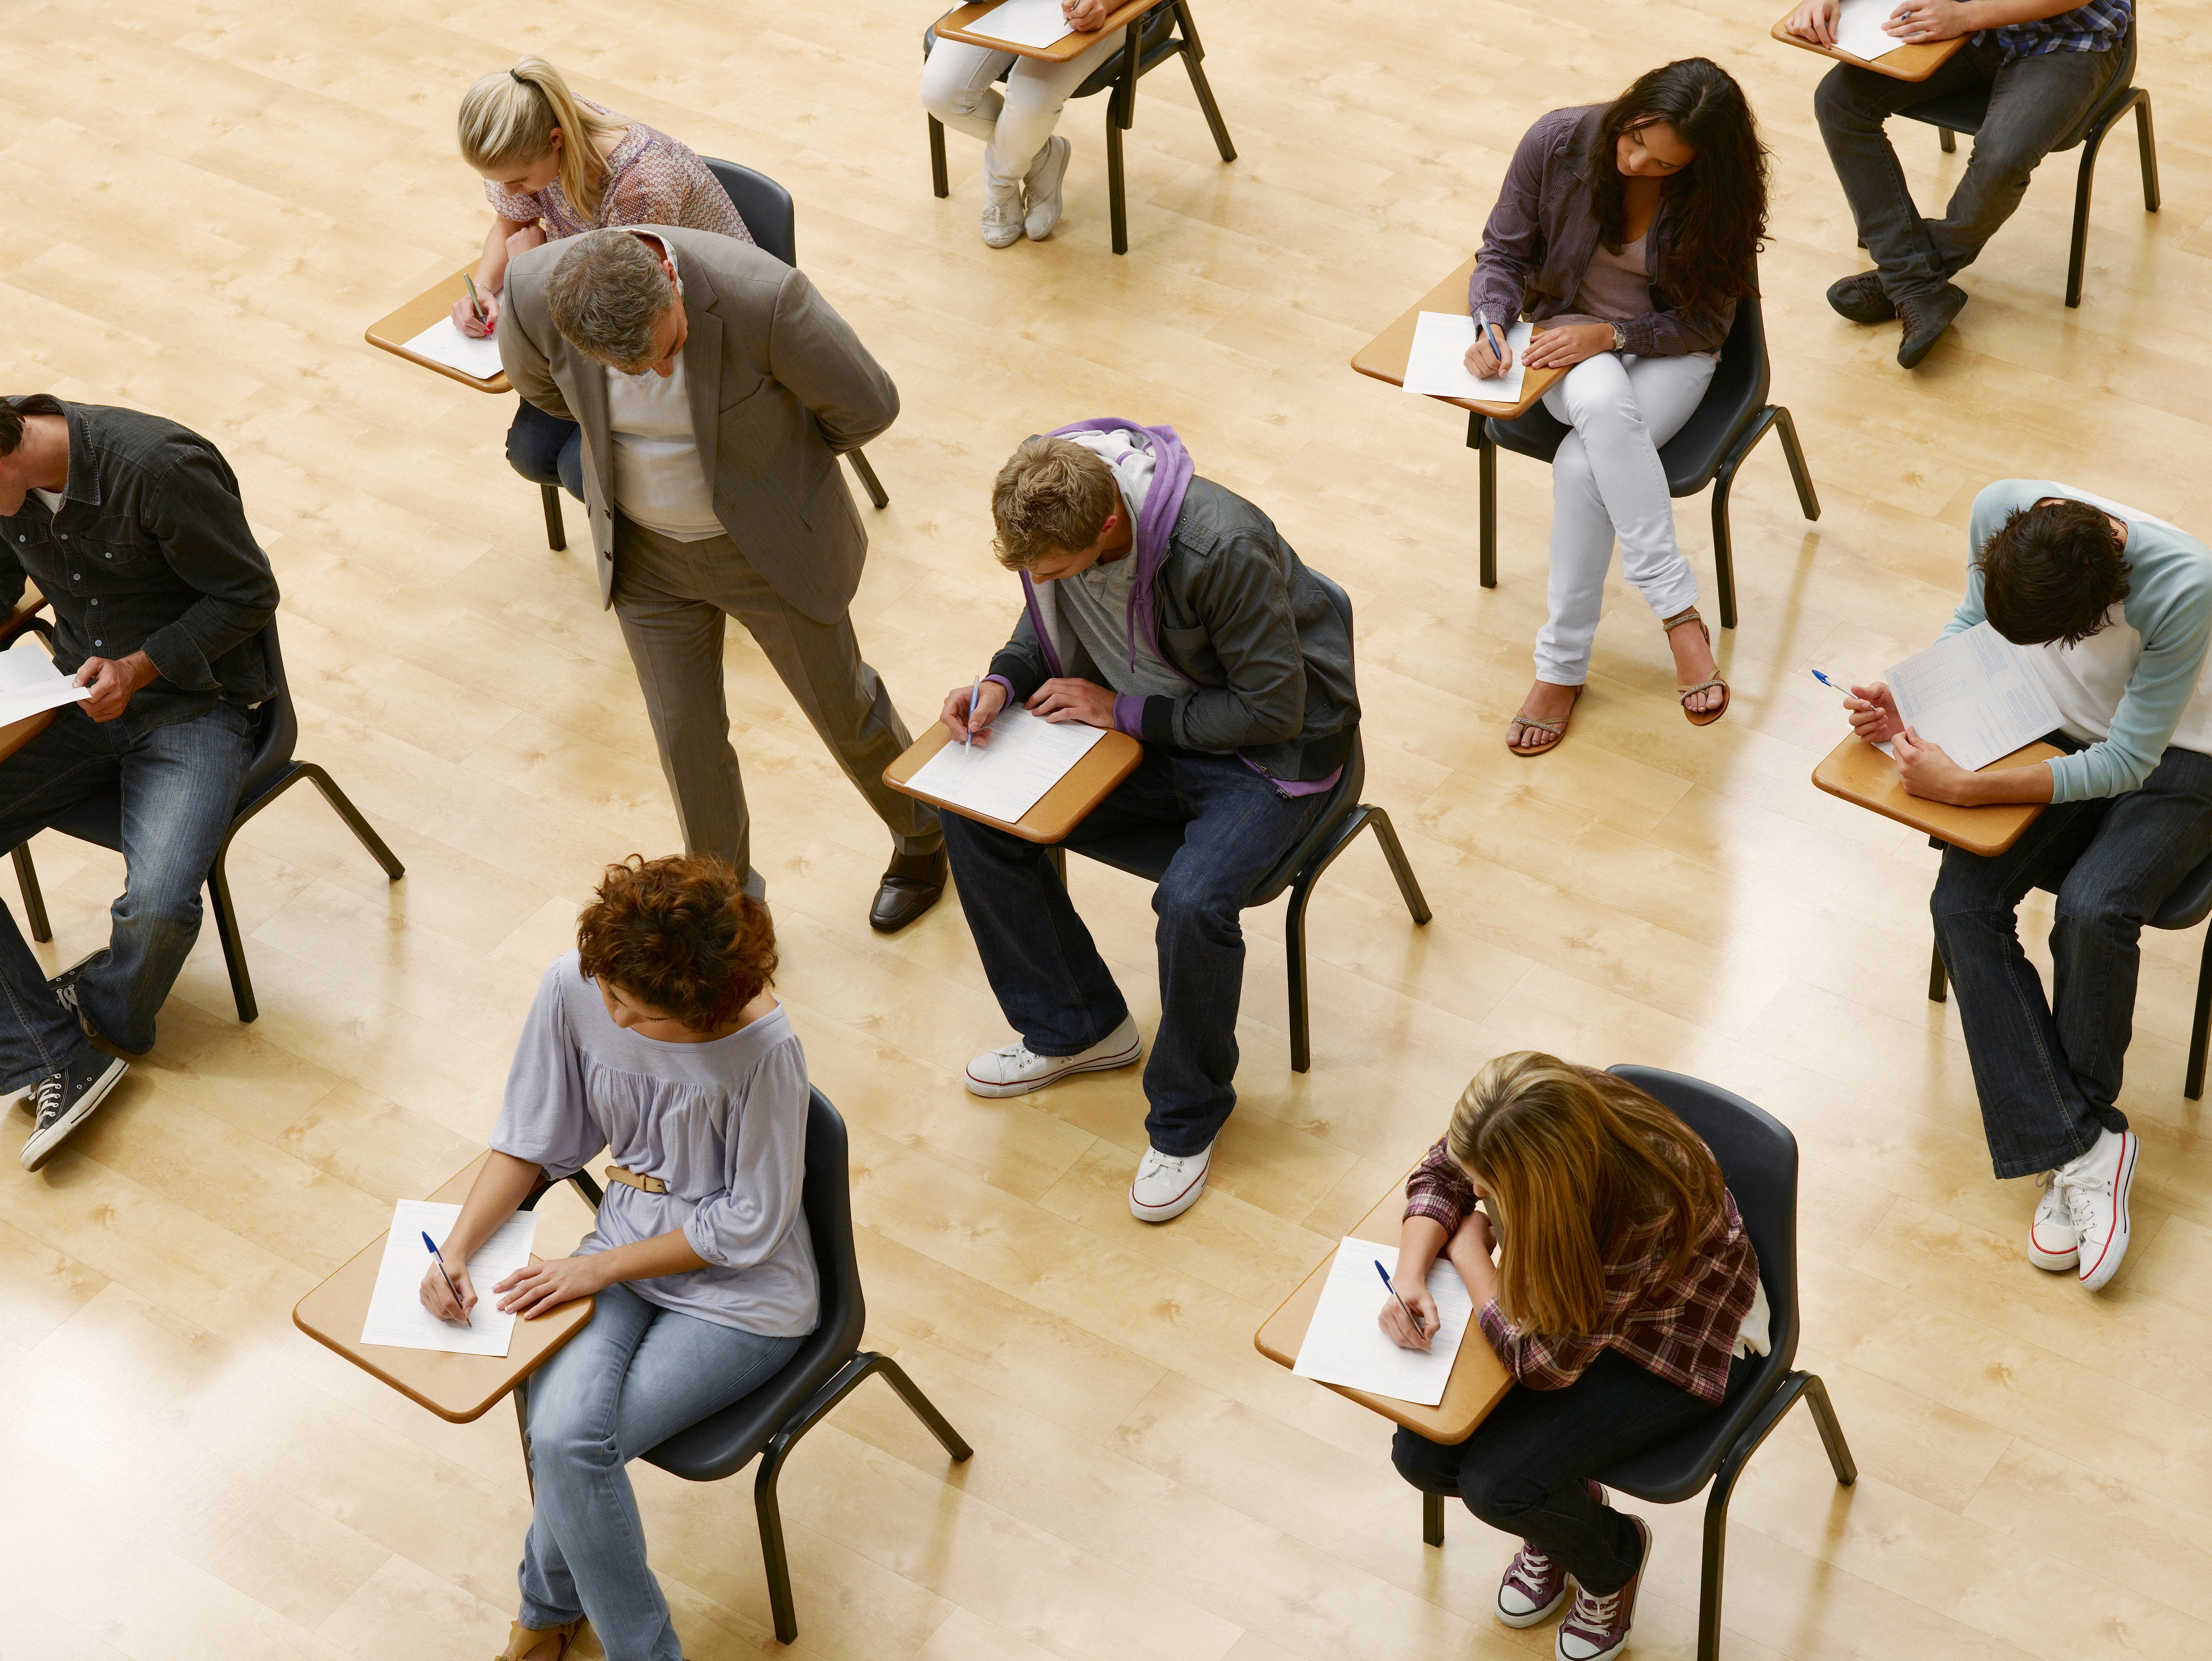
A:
(179, 789)
(546, 450)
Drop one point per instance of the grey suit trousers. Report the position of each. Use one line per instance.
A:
(672, 598)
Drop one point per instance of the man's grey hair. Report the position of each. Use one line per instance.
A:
(605, 294)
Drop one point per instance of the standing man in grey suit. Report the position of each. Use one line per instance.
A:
(716, 390)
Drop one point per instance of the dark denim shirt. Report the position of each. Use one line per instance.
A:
(150, 552)
(1541, 236)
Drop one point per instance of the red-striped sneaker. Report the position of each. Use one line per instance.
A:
(1597, 1628)
(2051, 1242)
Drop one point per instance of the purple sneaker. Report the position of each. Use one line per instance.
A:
(1597, 1628)
(1533, 1585)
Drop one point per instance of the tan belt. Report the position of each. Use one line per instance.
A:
(631, 1179)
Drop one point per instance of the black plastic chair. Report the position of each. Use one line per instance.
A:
(1725, 428)
(271, 770)
(2189, 904)
(1758, 1157)
(1964, 112)
(828, 1366)
(1145, 853)
(1164, 32)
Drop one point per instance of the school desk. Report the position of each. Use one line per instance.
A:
(1059, 811)
(1906, 63)
(1859, 773)
(958, 24)
(1384, 358)
(392, 332)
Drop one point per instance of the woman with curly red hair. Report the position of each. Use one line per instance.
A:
(659, 1041)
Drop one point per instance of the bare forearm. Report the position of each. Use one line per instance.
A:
(1420, 1242)
(491, 270)
(664, 1254)
(1476, 1268)
(504, 1184)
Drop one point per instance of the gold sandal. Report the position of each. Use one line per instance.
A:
(1558, 729)
(520, 1640)
(1699, 717)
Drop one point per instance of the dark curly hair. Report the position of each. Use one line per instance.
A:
(2050, 573)
(679, 933)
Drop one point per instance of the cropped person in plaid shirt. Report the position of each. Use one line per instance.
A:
(2044, 64)
(1626, 1300)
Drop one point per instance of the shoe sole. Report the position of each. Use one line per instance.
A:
(1174, 1208)
(2053, 1261)
(1104, 1063)
(1534, 1618)
(2115, 1247)
(41, 1148)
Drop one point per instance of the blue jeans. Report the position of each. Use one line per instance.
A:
(546, 450)
(180, 788)
(2048, 1073)
(635, 1375)
(1054, 988)
(2035, 103)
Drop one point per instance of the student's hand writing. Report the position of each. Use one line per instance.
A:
(113, 682)
(439, 1301)
(466, 320)
(522, 241)
(1063, 700)
(1555, 349)
(1925, 771)
(1873, 713)
(989, 703)
(543, 1287)
(1922, 22)
(1392, 1319)
(1815, 21)
(1084, 17)
(1482, 363)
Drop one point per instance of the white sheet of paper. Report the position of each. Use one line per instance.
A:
(1437, 364)
(1024, 23)
(396, 1315)
(29, 683)
(441, 342)
(1975, 695)
(1344, 1345)
(1859, 31)
(1003, 776)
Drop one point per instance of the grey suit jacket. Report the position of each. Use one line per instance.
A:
(780, 387)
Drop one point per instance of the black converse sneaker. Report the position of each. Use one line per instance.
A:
(63, 987)
(65, 1100)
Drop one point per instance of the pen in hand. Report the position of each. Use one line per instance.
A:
(1419, 1329)
(969, 744)
(1490, 333)
(475, 303)
(456, 1291)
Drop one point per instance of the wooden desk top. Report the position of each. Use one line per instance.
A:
(1906, 63)
(1861, 774)
(1479, 1379)
(954, 26)
(457, 1388)
(1384, 358)
(1060, 810)
(17, 733)
(392, 332)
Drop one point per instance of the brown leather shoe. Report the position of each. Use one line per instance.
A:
(1860, 299)
(912, 884)
(1926, 317)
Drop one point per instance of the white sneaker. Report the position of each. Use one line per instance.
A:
(1002, 215)
(1041, 188)
(2051, 1242)
(2096, 1189)
(1166, 1186)
(1017, 1069)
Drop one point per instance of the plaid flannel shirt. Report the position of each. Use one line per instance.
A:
(1683, 1330)
(2099, 26)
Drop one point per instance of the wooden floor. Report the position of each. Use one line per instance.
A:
(208, 200)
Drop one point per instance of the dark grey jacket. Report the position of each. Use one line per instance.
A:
(1240, 617)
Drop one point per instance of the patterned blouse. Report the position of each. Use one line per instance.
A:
(652, 180)
(1683, 1330)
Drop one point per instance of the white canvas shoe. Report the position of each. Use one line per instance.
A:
(2051, 1243)
(1017, 1069)
(2096, 1189)
(1166, 1186)
(1002, 215)
(1041, 188)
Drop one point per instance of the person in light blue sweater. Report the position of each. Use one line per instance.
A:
(2117, 606)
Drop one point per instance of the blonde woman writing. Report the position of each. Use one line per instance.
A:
(555, 165)
(1625, 1301)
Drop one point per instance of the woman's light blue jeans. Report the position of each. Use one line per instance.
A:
(635, 1375)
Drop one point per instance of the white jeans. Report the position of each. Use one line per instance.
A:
(1606, 481)
(956, 89)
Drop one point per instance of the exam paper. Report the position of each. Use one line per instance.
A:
(396, 1315)
(1974, 694)
(1859, 32)
(441, 342)
(1438, 365)
(29, 683)
(1003, 777)
(1345, 1345)
(1024, 23)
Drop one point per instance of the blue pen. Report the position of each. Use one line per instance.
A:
(1832, 685)
(1497, 346)
(456, 1291)
(1401, 1302)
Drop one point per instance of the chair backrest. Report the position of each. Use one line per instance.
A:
(1159, 44)
(1343, 796)
(828, 1202)
(764, 205)
(276, 728)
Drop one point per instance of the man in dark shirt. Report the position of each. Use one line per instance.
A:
(132, 528)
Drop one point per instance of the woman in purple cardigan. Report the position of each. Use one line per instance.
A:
(1626, 232)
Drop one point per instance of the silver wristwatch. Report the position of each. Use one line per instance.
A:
(1619, 339)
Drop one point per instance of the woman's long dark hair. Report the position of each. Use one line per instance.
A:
(1719, 200)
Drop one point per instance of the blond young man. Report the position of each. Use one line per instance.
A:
(1160, 605)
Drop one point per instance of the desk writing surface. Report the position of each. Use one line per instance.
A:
(1906, 63)
(1060, 810)
(955, 25)
(457, 1388)
(394, 331)
(1859, 773)
(1479, 1379)
(17, 733)
(1384, 358)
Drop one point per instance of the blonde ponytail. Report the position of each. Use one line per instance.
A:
(508, 119)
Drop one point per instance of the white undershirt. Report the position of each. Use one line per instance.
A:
(658, 482)
(53, 499)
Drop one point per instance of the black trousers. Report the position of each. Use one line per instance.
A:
(1525, 1468)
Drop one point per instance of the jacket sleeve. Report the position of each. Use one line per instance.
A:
(1678, 333)
(1020, 662)
(525, 332)
(1513, 236)
(195, 518)
(814, 353)
(1245, 607)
